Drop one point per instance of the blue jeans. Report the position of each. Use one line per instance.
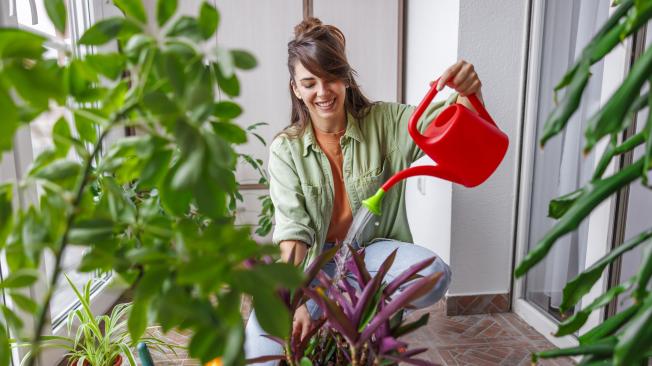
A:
(408, 254)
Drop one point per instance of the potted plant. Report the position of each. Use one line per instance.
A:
(99, 340)
(363, 314)
(157, 208)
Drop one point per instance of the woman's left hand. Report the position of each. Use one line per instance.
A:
(462, 77)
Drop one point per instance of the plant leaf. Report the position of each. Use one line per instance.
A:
(133, 9)
(209, 19)
(103, 31)
(596, 192)
(243, 59)
(56, 10)
(20, 278)
(164, 11)
(583, 283)
(636, 336)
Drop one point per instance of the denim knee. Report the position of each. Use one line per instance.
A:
(440, 288)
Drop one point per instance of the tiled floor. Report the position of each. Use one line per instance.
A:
(483, 340)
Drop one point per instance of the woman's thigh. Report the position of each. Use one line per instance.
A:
(408, 254)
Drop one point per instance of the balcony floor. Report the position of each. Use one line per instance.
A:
(482, 340)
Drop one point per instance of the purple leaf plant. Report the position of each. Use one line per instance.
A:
(362, 314)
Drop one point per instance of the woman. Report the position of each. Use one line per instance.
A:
(337, 151)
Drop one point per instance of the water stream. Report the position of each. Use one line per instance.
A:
(360, 225)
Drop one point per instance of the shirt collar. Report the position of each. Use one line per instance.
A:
(352, 131)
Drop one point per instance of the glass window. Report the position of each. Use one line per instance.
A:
(561, 168)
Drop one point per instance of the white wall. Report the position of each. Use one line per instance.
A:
(430, 47)
(491, 36)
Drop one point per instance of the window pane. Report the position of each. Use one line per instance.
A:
(560, 168)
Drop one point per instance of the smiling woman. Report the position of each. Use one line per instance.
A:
(338, 149)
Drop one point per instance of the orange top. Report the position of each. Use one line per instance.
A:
(342, 215)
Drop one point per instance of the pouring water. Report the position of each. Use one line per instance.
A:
(353, 237)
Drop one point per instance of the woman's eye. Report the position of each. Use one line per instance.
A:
(309, 86)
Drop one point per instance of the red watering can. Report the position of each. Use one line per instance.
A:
(467, 146)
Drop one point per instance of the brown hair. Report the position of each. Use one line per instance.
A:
(321, 49)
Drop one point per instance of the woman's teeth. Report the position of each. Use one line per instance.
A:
(326, 105)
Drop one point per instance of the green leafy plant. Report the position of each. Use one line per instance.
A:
(99, 339)
(155, 208)
(626, 338)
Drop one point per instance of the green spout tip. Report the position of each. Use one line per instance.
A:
(374, 202)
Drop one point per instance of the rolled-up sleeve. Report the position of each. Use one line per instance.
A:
(400, 115)
(292, 221)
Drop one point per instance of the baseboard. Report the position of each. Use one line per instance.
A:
(477, 304)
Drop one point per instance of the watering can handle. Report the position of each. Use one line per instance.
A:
(421, 108)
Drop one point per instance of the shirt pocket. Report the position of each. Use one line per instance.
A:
(369, 184)
(314, 200)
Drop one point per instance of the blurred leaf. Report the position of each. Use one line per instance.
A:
(174, 72)
(110, 65)
(155, 168)
(5, 348)
(6, 211)
(59, 171)
(175, 201)
(34, 233)
(164, 10)
(56, 10)
(61, 137)
(271, 313)
(226, 110)
(10, 121)
(230, 85)
(88, 232)
(86, 128)
(20, 278)
(24, 302)
(636, 336)
(133, 9)
(159, 104)
(577, 320)
(209, 19)
(582, 284)
(11, 318)
(609, 118)
(103, 31)
(186, 26)
(37, 84)
(210, 199)
(230, 132)
(205, 344)
(121, 207)
(20, 43)
(243, 59)
(137, 322)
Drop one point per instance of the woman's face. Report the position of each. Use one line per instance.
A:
(324, 98)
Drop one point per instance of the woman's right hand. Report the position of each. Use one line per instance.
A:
(302, 323)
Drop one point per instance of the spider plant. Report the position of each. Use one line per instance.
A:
(97, 340)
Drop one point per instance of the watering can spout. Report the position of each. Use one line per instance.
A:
(374, 203)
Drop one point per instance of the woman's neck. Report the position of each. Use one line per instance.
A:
(330, 125)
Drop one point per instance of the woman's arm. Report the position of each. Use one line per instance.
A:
(300, 250)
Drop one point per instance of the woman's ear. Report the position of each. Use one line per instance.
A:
(295, 90)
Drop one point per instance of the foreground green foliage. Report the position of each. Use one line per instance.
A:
(626, 338)
(156, 208)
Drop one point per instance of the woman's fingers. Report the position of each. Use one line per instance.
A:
(450, 72)
(462, 77)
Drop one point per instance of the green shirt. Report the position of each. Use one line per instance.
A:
(374, 148)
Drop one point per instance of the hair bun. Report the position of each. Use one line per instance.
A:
(306, 26)
(312, 24)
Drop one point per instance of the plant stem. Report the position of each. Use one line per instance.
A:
(35, 349)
